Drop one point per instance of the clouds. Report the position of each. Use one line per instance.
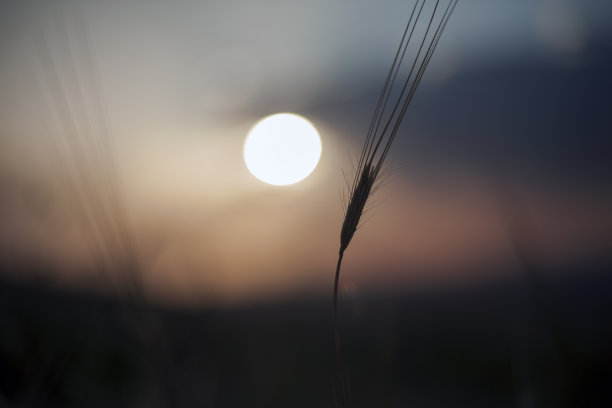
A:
(515, 88)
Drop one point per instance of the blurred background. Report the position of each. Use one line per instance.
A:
(141, 263)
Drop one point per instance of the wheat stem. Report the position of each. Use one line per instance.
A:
(341, 395)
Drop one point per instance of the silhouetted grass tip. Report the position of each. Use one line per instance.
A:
(386, 122)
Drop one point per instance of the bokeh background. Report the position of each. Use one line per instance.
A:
(134, 241)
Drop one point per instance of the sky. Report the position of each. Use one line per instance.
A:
(122, 126)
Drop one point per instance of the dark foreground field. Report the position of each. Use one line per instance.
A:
(488, 345)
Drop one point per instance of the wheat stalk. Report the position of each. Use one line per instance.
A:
(381, 133)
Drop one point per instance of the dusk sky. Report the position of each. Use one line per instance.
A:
(122, 126)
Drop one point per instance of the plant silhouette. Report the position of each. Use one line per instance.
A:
(421, 36)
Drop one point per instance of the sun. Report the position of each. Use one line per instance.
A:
(282, 149)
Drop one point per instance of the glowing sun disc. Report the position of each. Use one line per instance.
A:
(282, 149)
